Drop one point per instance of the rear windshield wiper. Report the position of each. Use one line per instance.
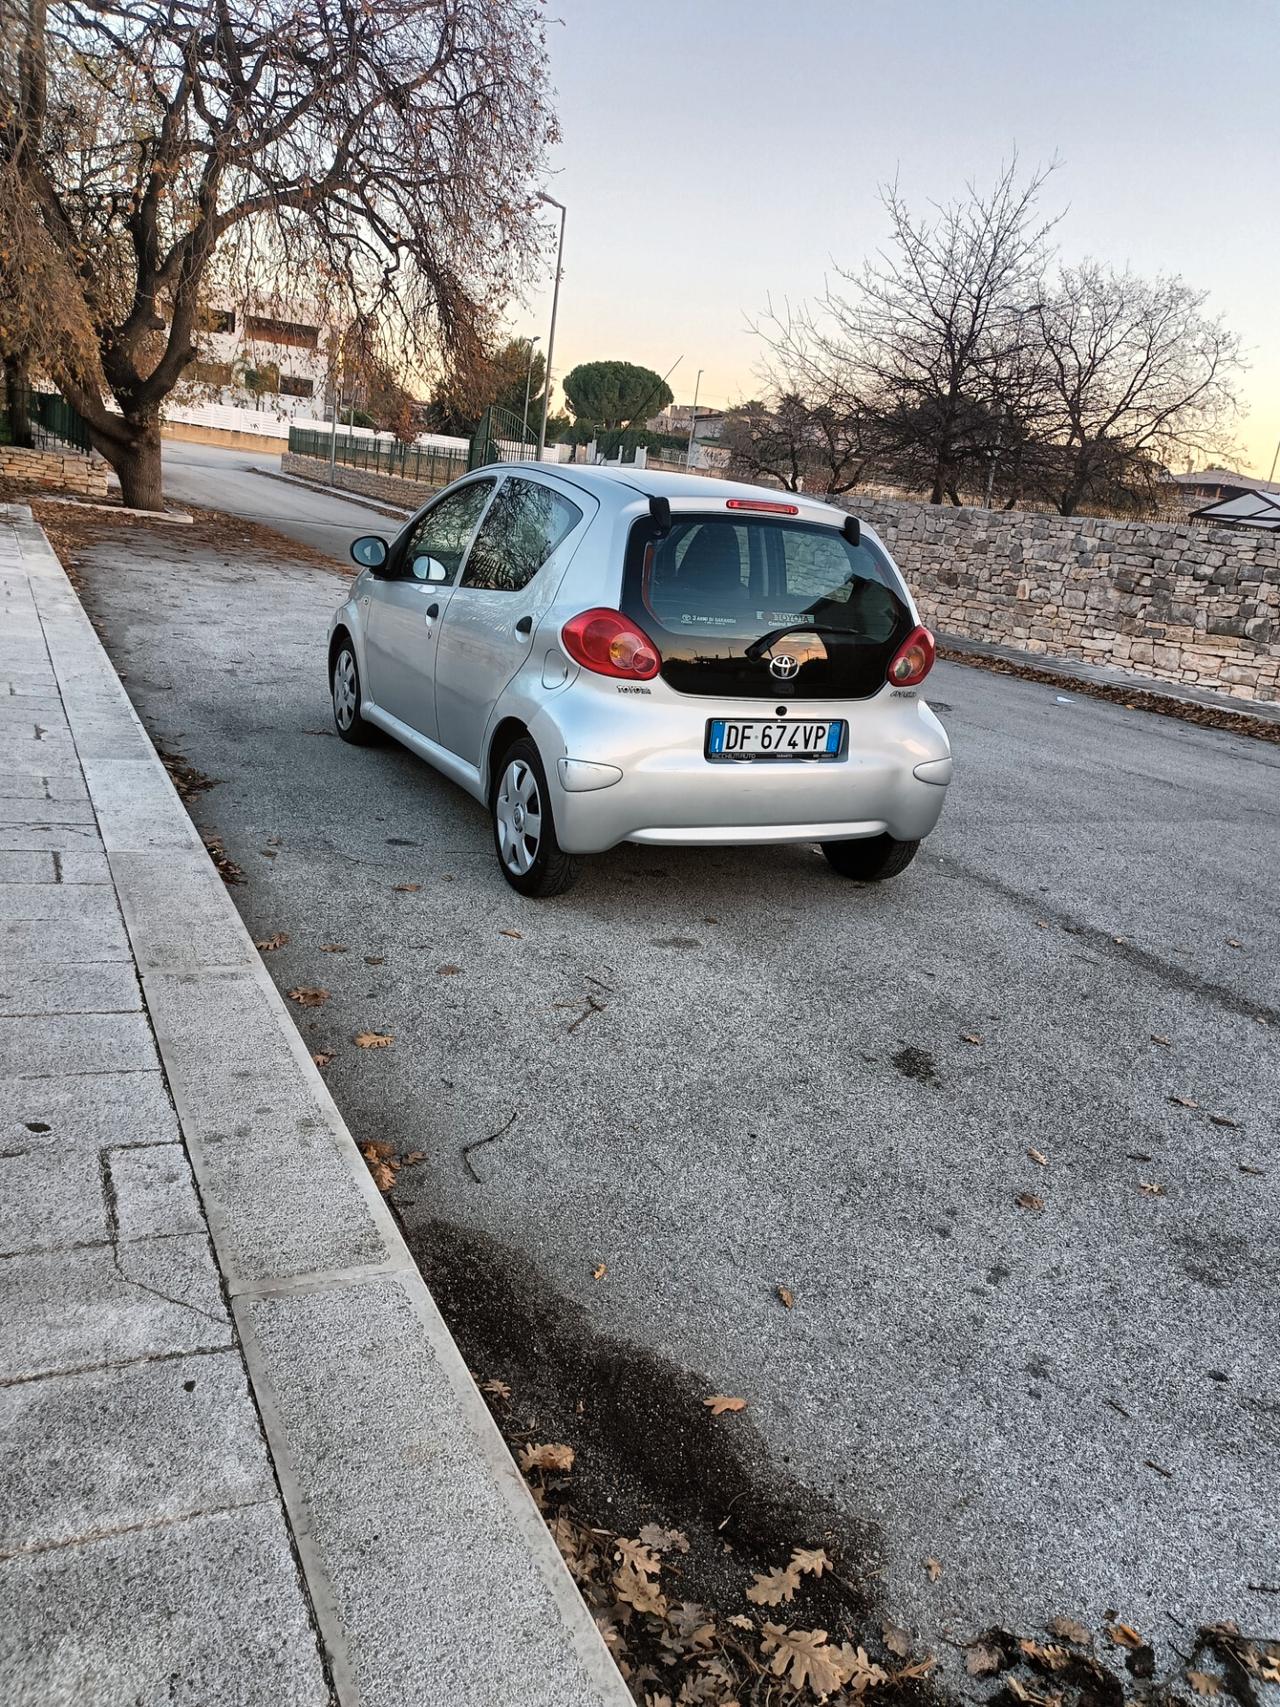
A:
(758, 648)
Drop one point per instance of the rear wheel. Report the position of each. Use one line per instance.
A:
(870, 859)
(524, 832)
(344, 683)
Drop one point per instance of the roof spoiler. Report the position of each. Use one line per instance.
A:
(852, 530)
(660, 511)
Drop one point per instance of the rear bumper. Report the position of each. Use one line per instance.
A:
(892, 779)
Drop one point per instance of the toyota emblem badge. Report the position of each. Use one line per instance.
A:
(784, 666)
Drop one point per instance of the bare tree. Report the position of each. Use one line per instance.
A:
(805, 443)
(924, 332)
(376, 158)
(1139, 374)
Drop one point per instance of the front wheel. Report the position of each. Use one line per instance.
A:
(524, 831)
(870, 859)
(344, 684)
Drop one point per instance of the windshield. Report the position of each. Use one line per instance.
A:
(722, 597)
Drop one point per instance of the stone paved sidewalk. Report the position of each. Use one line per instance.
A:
(244, 1463)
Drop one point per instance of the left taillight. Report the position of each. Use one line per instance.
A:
(913, 660)
(610, 644)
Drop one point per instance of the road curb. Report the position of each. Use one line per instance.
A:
(432, 1574)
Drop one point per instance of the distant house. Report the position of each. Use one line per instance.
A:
(1213, 485)
(1244, 510)
(678, 417)
(262, 359)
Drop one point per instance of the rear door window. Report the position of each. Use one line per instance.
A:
(526, 522)
(724, 597)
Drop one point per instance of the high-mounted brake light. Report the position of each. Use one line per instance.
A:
(769, 508)
(608, 643)
(913, 660)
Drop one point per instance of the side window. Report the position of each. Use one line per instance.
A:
(525, 524)
(442, 536)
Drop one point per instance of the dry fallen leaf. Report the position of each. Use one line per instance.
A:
(1258, 1173)
(1029, 1200)
(1070, 1630)
(375, 959)
(447, 971)
(809, 1561)
(804, 1653)
(740, 1621)
(405, 888)
(1046, 1654)
(552, 1456)
(269, 944)
(1123, 1636)
(1150, 1188)
(860, 1672)
(635, 1589)
(1224, 1120)
(499, 1389)
(381, 1167)
(1232, 942)
(1184, 1102)
(1038, 1157)
(1204, 1683)
(981, 1659)
(413, 1158)
(516, 934)
(333, 948)
(771, 1588)
(918, 1668)
(1032, 1697)
(974, 1037)
(322, 1057)
(1162, 1041)
(638, 1555)
(599, 1271)
(932, 1568)
(897, 1640)
(373, 1039)
(308, 998)
(664, 1540)
(719, 1403)
(786, 1296)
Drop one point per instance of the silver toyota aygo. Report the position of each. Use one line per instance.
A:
(604, 655)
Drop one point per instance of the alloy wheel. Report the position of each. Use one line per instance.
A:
(344, 689)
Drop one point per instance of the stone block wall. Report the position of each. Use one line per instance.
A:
(67, 471)
(387, 488)
(1176, 602)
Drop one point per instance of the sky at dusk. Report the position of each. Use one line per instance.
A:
(719, 152)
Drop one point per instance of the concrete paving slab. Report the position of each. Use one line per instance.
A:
(45, 813)
(131, 1447)
(27, 867)
(196, 1613)
(176, 917)
(109, 986)
(87, 867)
(377, 1480)
(50, 1199)
(76, 1043)
(86, 1111)
(78, 1309)
(135, 804)
(154, 1193)
(56, 901)
(54, 838)
(72, 940)
(284, 1189)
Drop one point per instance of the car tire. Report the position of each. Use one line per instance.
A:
(533, 862)
(344, 691)
(869, 859)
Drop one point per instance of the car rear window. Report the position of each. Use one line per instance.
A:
(723, 597)
(746, 579)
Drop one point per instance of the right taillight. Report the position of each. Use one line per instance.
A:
(610, 644)
(913, 660)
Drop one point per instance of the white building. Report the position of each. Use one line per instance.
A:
(265, 360)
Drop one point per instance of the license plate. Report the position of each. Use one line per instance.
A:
(794, 738)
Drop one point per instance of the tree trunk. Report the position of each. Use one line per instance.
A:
(17, 399)
(136, 460)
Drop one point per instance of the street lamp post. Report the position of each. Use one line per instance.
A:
(528, 380)
(693, 421)
(551, 335)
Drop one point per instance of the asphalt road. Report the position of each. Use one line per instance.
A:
(792, 1080)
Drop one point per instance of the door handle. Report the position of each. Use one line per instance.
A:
(525, 625)
(433, 610)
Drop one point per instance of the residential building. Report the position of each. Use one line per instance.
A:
(276, 360)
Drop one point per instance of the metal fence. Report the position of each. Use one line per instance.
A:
(51, 421)
(428, 464)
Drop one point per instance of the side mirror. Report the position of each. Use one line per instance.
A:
(430, 569)
(369, 551)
